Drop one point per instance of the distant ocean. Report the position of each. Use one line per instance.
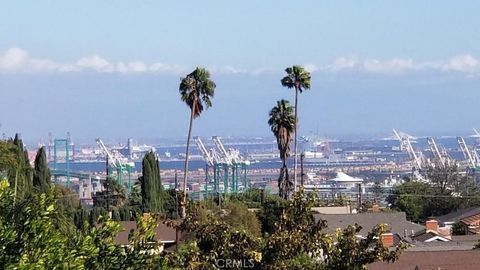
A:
(164, 165)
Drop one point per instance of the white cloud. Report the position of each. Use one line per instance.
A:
(463, 63)
(226, 70)
(343, 62)
(13, 59)
(96, 63)
(17, 60)
(310, 67)
(394, 66)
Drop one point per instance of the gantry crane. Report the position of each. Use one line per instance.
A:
(225, 163)
(118, 162)
(471, 156)
(440, 155)
(406, 145)
(239, 165)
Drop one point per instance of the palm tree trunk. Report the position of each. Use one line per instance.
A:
(184, 200)
(282, 181)
(295, 143)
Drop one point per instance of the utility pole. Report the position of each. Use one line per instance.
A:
(176, 194)
(107, 185)
(302, 179)
(359, 196)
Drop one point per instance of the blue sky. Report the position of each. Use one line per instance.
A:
(111, 68)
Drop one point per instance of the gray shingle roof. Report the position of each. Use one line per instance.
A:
(396, 222)
(459, 214)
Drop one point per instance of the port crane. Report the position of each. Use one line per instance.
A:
(232, 158)
(406, 145)
(471, 156)
(440, 154)
(225, 163)
(118, 162)
(215, 161)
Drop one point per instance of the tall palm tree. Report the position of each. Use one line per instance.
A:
(299, 79)
(196, 90)
(282, 124)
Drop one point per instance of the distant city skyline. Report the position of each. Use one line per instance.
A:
(111, 69)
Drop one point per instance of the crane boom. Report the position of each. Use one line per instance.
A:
(225, 155)
(466, 152)
(106, 152)
(206, 155)
(118, 160)
(435, 150)
(476, 132)
(406, 145)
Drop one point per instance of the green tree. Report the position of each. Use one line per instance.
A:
(8, 158)
(446, 191)
(30, 238)
(282, 124)
(299, 79)
(410, 197)
(270, 213)
(151, 185)
(458, 228)
(196, 90)
(113, 195)
(212, 239)
(41, 174)
(300, 243)
(20, 174)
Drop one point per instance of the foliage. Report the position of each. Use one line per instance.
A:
(196, 90)
(151, 184)
(233, 213)
(270, 213)
(297, 233)
(344, 251)
(458, 228)
(30, 238)
(213, 239)
(297, 241)
(8, 157)
(112, 196)
(443, 194)
(41, 174)
(299, 236)
(282, 124)
(14, 161)
(299, 79)
(252, 197)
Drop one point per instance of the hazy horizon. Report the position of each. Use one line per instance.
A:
(375, 66)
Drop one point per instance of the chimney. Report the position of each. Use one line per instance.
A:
(387, 239)
(431, 225)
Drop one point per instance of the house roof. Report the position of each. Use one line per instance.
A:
(163, 233)
(428, 260)
(472, 220)
(466, 238)
(459, 214)
(442, 246)
(396, 222)
(424, 236)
